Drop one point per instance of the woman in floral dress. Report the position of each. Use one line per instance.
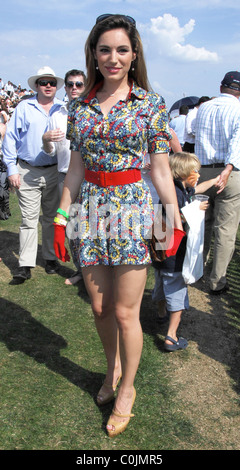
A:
(111, 129)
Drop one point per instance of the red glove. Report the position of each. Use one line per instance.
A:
(59, 243)
(175, 241)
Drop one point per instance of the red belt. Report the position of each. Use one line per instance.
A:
(113, 178)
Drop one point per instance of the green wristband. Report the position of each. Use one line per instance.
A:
(60, 211)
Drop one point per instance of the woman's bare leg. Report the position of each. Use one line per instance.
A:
(99, 284)
(129, 283)
(116, 295)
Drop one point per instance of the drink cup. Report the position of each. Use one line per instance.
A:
(201, 197)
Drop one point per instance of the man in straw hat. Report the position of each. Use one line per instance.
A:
(55, 143)
(32, 172)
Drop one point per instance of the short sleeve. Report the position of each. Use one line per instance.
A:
(158, 129)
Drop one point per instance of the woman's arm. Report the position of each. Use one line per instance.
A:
(174, 142)
(162, 179)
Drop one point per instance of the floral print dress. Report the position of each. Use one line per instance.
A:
(112, 225)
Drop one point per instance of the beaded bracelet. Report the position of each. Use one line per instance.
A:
(60, 211)
(60, 221)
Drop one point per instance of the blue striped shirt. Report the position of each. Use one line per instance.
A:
(217, 138)
(23, 138)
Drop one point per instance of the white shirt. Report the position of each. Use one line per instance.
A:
(178, 125)
(189, 134)
(218, 131)
(61, 149)
(9, 87)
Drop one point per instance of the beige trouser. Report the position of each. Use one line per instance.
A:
(38, 190)
(222, 218)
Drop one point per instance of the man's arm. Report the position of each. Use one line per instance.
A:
(223, 179)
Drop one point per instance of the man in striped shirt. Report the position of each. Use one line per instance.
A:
(217, 145)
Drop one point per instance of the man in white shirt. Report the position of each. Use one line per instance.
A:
(190, 124)
(217, 145)
(55, 143)
(178, 123)
(3, 93)
(9, 88)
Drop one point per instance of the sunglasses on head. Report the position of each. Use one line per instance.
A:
(108, 15)
(46, 82)
(78, 84)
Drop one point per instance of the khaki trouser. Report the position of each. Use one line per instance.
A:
(38, 190)
(222, 218)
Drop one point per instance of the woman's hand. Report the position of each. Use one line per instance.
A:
(59, 243)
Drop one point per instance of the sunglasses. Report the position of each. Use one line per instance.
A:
(46, 82)
(78, 84)
(108, 15)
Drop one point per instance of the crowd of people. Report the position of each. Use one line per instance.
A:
(10, 96)
(89, 154)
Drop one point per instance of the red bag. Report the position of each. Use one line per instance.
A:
(59, 243)
(175, 241)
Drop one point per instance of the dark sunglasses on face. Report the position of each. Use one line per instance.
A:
(46, 82)
(78, 84)
(108, 15)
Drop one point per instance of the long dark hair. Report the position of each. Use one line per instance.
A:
(139, 72)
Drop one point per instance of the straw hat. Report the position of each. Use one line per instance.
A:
(44, 72)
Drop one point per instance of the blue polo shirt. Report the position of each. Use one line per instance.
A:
(23, 139)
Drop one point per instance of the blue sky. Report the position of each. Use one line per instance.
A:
(189, 45)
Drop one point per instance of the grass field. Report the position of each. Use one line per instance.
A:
(52, 366)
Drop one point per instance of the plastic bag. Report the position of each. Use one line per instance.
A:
(192, 269)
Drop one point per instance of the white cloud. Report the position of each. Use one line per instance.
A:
(176, 63)
(168, 38)
(191, 53)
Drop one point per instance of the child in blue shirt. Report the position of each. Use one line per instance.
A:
(170, 289)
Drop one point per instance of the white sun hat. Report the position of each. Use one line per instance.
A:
(44, 72)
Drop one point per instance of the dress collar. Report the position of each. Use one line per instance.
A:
(135, 90)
